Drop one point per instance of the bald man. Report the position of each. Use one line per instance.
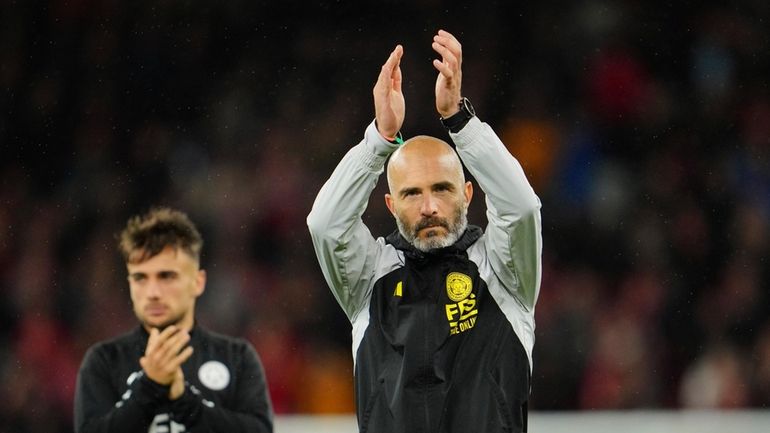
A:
(442, 312)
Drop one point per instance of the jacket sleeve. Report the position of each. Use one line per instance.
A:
(252, 411)
(344, 246)
(513, 239)
(99, 406)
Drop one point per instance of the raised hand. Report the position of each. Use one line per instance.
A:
(449, 81)
(389, 105)
(164, 356)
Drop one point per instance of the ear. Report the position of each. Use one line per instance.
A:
(389, 203)
(468, 193)
(200, 282)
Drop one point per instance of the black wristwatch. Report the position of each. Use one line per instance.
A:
(457, 121)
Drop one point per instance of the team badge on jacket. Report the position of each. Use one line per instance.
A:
(214, 375)
(462, 312)
(458, 286)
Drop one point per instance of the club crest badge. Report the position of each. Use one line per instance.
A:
(214, 375)
(458, 286)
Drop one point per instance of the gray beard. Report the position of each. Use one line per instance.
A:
(455, 229)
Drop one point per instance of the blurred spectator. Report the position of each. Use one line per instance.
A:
(715, 381)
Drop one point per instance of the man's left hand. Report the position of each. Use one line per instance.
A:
(449, 81)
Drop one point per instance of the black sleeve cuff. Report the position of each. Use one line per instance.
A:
(188, 407)
(149, 394)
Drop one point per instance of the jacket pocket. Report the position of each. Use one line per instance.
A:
(504, 409)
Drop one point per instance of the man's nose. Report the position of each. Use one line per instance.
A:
(429, 205)
(153, 288)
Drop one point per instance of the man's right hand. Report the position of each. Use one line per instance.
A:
(165, 354)
(389, 105)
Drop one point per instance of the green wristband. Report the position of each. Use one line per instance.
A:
(399, 139)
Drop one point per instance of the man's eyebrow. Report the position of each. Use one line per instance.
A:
(161, 273)
(406, 191)
(447, 185)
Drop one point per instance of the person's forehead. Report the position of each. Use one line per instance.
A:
(168, 259)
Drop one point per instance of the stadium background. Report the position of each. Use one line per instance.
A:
(644, 127)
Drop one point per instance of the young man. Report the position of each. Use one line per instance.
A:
(442, 312)
(169, 374)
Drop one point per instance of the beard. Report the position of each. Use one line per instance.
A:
(454, 228)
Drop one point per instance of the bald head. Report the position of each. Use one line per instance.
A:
(423, 155)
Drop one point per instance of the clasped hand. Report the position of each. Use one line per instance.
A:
(164, 356)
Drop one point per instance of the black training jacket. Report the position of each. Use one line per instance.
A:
(225, 392)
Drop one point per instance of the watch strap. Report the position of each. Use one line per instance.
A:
(457, 121)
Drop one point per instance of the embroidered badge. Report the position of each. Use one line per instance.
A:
(214, 375)
(458, 286)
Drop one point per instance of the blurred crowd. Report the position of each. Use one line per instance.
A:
(644, 128)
